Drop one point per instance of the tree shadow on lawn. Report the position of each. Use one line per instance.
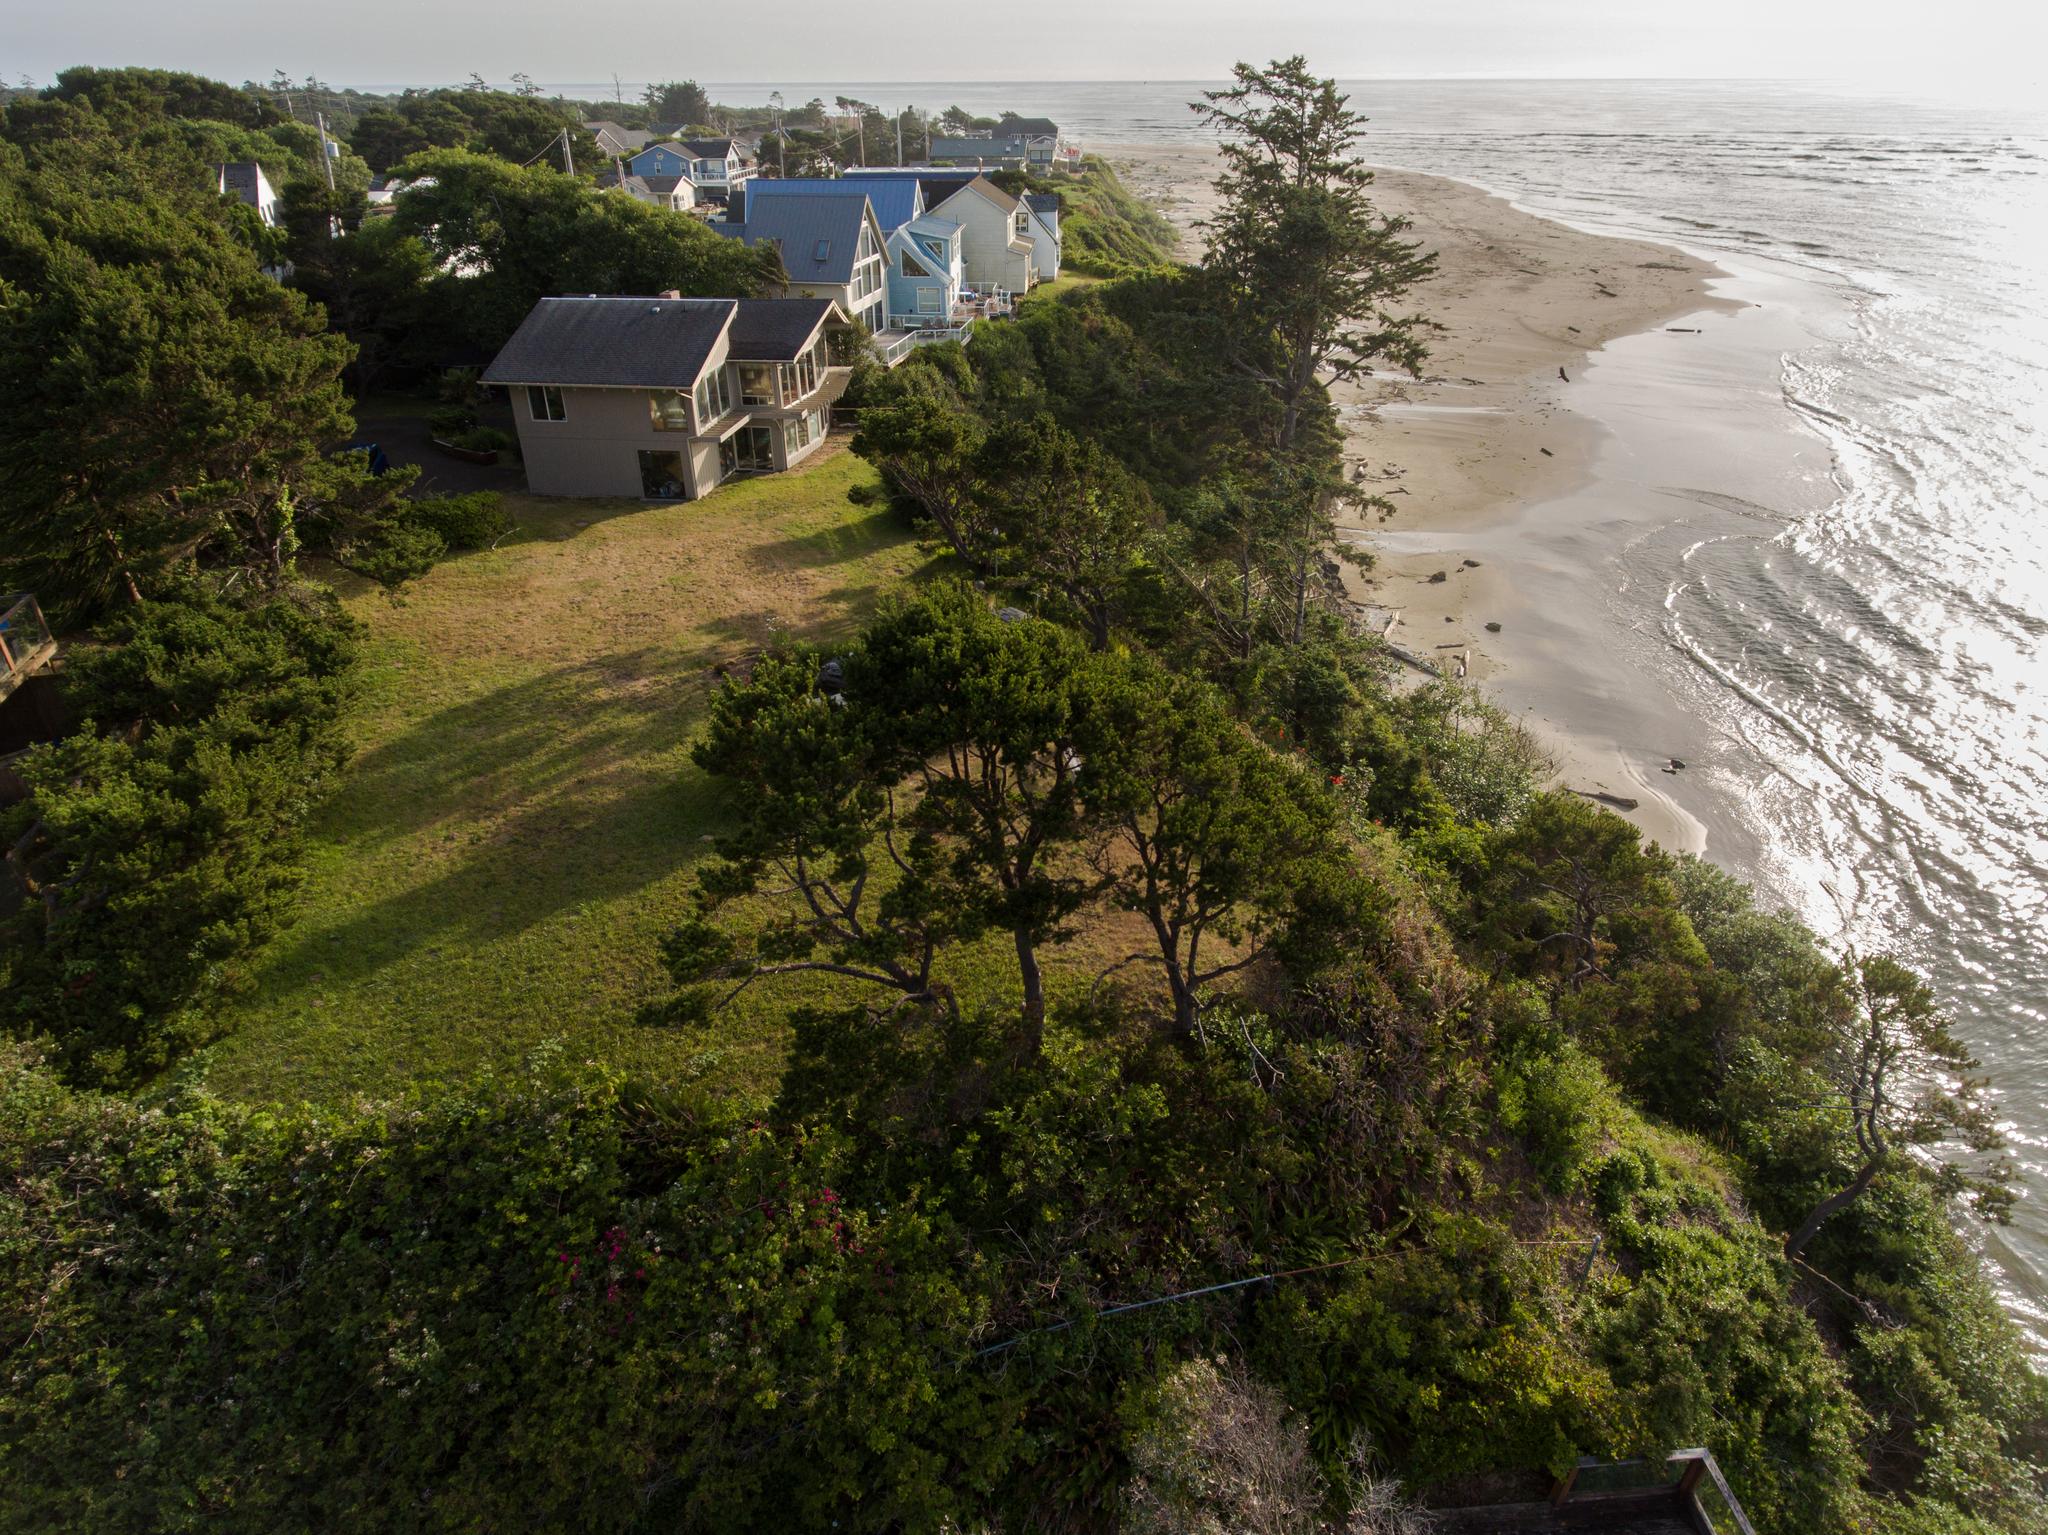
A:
(494, 816)
(829, 545)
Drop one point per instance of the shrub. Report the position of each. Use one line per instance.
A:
(451, 422)
(393, 552)
(471, 521)
(486, 439)
(156, 845)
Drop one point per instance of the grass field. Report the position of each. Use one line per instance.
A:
(1047, 291)
(519, 823)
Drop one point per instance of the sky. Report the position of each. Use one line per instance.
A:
(1955, 48)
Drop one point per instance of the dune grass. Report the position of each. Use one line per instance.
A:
(521, 818)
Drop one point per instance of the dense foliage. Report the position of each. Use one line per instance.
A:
(1452, 1129)
(155, 847)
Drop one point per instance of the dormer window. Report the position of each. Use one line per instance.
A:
(1023, 222)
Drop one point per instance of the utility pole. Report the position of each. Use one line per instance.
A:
(899, 138)
(326, 159)
(781, 137)
(568, 159)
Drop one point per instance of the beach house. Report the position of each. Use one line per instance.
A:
(927, 273)
(1037, 224)
(715, 166)
(830, 246)
(995, 236)
(616, 142)
(1025, 142)
(245, 181)
(675, 193)
(666, 398)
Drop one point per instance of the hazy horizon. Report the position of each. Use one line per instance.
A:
(1981, 49)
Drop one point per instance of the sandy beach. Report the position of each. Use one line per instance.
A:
(1487, 435)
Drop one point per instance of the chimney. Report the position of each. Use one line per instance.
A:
(670, 293)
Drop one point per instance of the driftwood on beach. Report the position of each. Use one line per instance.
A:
(1601, 796)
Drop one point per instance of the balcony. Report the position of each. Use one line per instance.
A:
(26, 644)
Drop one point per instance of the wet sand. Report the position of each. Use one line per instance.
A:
(1491, 438)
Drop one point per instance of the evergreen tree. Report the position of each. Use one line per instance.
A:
(1310, 271)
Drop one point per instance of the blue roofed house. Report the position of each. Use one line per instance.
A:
(895, 199)
(666, 398)
(831, 247)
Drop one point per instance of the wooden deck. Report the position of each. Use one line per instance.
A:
(26, 644)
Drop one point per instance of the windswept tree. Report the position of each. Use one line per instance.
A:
(982, 712)
(925, 440)
(1075, 523)
(1906, 1082)
(817, 820)
(678, 101)
(1213, 839)
(1312, 273)
(920, 790)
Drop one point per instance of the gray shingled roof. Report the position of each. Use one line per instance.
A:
(1042, 202)
(776, 329)
(627, 138)
(708, 149)
(818, 235)
(239, 178)
(986, 188)
(654, 343)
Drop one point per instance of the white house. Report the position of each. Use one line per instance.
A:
(995, 230)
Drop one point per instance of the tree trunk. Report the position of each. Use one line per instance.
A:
(1034, 990)
(1865, 1175)
(1301, 595)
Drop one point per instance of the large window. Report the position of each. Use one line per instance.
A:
(545, 402)
(757, 384)
(748, 451)
(670, 409)
(799, 378)
(661, 476)
(714, 397)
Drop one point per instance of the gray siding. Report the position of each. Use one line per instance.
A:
(595, 449)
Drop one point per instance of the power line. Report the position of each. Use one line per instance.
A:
(1238, 1284)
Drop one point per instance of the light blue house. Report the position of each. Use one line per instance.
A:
(714, 166)
(663, 160)
(926, 269)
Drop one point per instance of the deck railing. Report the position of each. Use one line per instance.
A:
(26, 643)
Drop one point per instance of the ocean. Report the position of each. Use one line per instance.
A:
(1856, 626)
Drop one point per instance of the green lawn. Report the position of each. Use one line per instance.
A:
(520, 821)
(1047, 291)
